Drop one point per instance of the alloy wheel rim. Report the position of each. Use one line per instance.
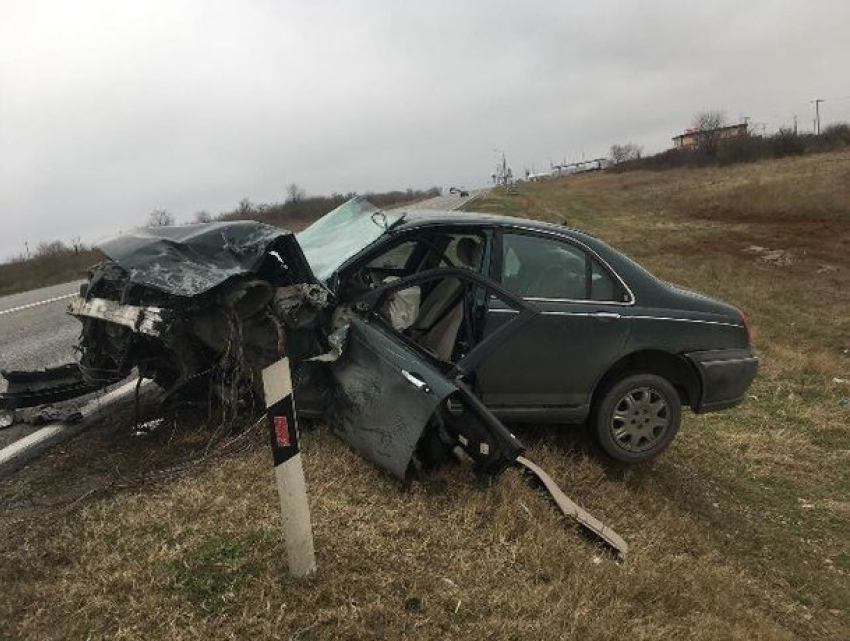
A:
(640, 419)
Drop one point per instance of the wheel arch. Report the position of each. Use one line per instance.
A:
(675, 368)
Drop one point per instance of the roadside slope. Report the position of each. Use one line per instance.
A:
(739, 531)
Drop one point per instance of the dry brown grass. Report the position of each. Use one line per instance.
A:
(738, 532)
(445, 558)
(41, 271)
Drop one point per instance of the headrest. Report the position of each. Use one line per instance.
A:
(469, 252)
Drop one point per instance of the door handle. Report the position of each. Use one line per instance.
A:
(417, 382)
(605, 316)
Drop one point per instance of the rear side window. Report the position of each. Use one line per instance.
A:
(602, 284)
(538, 267)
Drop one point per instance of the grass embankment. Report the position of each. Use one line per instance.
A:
(739, 531)
(43, 271)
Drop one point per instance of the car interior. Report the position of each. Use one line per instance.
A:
(439, 315)
(435, 314)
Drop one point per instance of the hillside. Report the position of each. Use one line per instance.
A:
(738, 532)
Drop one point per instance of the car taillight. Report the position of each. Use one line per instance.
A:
(747, 325)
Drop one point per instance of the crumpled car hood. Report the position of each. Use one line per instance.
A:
(192, 259)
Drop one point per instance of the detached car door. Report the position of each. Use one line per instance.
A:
(556, 360)
(389, 390)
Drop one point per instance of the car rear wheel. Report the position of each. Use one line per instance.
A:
(636, 418)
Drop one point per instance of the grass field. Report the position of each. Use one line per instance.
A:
(740, 531)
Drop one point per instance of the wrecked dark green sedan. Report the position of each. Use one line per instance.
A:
(415, 333)
(545, 324)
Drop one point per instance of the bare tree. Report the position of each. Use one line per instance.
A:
(203, 217)
(623, 153)
(244, 208)
(709, 124)
(52, 248)
(160, 218)
(294, 199)
(294, 193)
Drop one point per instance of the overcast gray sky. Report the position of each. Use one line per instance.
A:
(109, 109)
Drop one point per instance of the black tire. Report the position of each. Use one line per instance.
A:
(636, 418)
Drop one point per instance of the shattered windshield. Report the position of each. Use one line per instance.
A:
(340, 234)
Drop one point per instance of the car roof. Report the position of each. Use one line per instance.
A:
(431, 217)
(622, 264)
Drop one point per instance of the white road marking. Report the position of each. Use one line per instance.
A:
(37, 304)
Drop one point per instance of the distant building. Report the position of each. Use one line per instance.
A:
(691, 138)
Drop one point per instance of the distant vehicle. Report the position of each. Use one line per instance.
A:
(463, 193)
(431, 327)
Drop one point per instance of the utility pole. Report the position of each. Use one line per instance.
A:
(795, 124)
(817, 102)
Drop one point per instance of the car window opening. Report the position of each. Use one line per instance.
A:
(435, 315)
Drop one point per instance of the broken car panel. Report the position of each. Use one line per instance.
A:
(193, 259)
(187, 305)
(391, 387)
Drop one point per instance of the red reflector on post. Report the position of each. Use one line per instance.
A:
(281, 431)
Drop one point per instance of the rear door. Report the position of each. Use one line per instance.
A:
(580, 331)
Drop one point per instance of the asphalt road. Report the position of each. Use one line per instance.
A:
(451, 201)
(36, 332)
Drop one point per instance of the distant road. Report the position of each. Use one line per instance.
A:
(451, 201)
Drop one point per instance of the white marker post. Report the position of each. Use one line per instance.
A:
(288, 470)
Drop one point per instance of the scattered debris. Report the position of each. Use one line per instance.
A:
(37, 387)
(148, 427)
(569, 508)
(49, 414)
(778, 257)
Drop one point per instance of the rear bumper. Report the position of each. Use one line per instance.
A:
(725, 374)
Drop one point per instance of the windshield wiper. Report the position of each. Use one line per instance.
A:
(395, 224)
